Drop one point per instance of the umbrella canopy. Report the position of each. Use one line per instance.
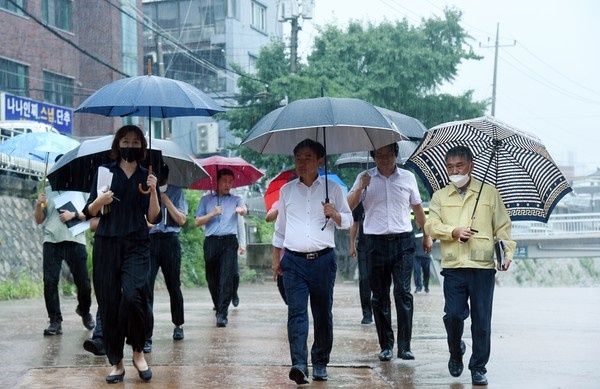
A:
(39, 146)
(363, 159)
(76, 169)
(272, 193)
(150, 96)
(339, 124)
(515, 162)
(409, 126)
(244, 173)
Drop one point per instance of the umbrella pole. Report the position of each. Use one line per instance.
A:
(326, 186)
(44, 203)
(140, 187)
(487, 169)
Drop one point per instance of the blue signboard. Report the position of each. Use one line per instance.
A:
(21, 108)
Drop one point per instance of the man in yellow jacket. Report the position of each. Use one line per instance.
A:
(467, 251)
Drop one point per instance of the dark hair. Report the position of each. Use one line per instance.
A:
(115, 150)
(163, 173)
(461, 152)
(224, 172)
(392, 146)
(318, 148)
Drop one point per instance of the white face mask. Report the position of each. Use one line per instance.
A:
(163, 188)
(459, 180)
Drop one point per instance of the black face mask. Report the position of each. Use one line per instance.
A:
(131, 154)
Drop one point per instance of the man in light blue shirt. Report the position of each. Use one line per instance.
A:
(218, 213)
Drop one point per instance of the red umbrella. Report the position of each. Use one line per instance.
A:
(244, 173)
(272, 193)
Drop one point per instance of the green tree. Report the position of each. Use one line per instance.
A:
(392, 65)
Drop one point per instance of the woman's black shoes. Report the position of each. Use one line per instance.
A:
(115, 378)
(145, 375)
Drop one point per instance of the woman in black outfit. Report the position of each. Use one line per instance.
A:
(121, 253)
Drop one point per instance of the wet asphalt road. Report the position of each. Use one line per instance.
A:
(542, 338)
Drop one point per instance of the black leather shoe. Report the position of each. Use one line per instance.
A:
(455, 366)
(366, 320)
(320, 373)
(385, 355)
(113, 379)
(235, 301)
(298, 375)
(406, 355)
(478, 378)
(145, 375)
(86, 319)
(148, 346)
(221, 321)
(94, 346)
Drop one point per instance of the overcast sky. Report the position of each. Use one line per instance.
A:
(548, 83)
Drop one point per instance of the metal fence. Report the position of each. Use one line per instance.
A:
(563, 224)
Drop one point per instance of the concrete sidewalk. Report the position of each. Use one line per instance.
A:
(542, 338)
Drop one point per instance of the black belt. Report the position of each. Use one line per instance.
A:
(313, 255)
(220, 237)
(401, 235)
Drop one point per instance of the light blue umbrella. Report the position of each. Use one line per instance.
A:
(38, 146)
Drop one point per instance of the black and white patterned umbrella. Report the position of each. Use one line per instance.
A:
(515, 162)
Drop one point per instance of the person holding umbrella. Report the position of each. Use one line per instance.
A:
(388, 194)
(467, 234)
(165, 249)
(121, 252)
(219, 212)
(303, 227)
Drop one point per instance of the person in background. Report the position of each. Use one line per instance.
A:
(165, 250)
(357, 250)
(218, 213)
(271, 216)
(467, 252)
(422, 271)
(121, 252)
(303, 227)
(60, 244)
(388, 193)
(241, 233)
(95, 344)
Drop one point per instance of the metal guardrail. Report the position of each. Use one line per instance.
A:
(560, 224)
(21, 166)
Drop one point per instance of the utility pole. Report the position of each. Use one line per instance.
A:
(292, 10)
(496, 46)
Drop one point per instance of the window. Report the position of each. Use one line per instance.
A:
(9, 6)
(57, 13)
(58, 89)
(13, 78)
(259, 16)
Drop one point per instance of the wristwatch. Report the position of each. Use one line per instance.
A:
(76, 215)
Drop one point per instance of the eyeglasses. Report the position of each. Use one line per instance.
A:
(382, 156)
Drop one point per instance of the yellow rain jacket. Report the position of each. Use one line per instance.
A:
(448, 210)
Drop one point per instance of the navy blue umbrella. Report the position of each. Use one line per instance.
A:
(149, 96)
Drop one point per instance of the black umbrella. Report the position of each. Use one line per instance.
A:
(75, 170)
(339, 124)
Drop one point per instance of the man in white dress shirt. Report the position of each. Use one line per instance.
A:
(305, 228)
(388, 194)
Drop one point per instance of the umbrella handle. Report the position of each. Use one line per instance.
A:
(140, 187)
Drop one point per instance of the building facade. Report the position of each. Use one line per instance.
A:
(196, 41)
(55, 53)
